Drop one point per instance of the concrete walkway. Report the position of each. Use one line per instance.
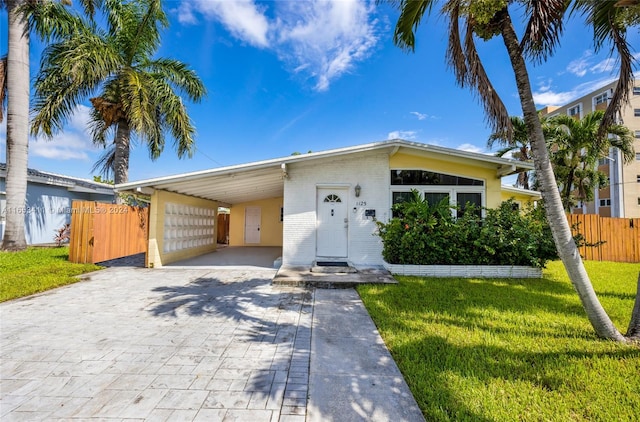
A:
(199, 344)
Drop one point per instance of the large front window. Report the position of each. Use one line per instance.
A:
(435, 187)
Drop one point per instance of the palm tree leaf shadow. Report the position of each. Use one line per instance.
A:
(244, 302)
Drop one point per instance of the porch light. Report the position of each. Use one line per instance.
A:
(357, 189)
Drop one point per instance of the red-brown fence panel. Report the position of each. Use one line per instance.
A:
(620, 237)
(101, 231)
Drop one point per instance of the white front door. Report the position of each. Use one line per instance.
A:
(252, 225)
(332, 223)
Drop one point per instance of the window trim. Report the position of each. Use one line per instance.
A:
(579, 113)
(602, 95)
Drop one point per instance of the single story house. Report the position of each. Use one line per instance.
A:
(48, 204)
(319, 206)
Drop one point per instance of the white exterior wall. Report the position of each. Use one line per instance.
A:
(369, 170)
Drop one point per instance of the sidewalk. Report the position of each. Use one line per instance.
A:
(352, 376)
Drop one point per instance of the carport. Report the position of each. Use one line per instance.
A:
(184, 209)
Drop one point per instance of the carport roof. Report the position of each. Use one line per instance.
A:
(264, 179)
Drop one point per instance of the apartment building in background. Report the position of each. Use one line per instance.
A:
(622, 197)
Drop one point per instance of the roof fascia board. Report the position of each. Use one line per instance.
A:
(521, 191)
(100, 191)
(277, 162)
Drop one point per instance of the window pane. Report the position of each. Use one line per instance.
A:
(469, 198)
(434, 198)
(399, 197)
(429, 178)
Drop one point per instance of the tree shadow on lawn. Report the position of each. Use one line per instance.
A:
(446, 335)
(453, 382)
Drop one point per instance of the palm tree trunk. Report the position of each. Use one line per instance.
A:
(566, 195)
(17, 128)
(567, 249)
(633, 332)
(121, 160)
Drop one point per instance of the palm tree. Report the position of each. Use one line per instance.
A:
(543, 26)
(575, 149)
(139, 96)
(518, 146)
(47, 18)
(17, 71)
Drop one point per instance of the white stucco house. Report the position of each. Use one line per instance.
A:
(320, 206)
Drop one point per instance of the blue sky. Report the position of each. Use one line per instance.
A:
(285, 76)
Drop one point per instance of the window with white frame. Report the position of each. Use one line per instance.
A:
(636, 90)
(600, 99)
(435, 187)
(605, 202)
(636, 134)
(638, 156)
(574, 111)
(636, 112)
(603, 161)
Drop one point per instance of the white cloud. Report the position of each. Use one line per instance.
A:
(579, 66)
(551, 98)
(420, 116)
(606, 66)
(471, 148)
(66, 146)
(319, 40)
(545, 96)
(407, 135)
(73, 144)
(185, 14)
(324, 39)
(244, 19)
(586, 65)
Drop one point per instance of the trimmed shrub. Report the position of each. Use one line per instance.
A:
(427, 234)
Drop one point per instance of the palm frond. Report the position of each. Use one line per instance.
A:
(51, 19)
(180, 76)
(544, 27)
(496, 113)
(105, 164)
(411, 14)
(70, 71)
(455, 54)
(609, 28)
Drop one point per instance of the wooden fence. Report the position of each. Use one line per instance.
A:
(100, 231)
(621, 237)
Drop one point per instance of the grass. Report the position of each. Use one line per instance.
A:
(36, 270)
(511, 350)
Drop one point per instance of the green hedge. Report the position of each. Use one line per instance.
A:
(425, 234)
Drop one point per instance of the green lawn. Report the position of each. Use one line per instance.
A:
(36, 270)
(511, 350)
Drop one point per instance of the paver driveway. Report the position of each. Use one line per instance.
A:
(161, 344)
